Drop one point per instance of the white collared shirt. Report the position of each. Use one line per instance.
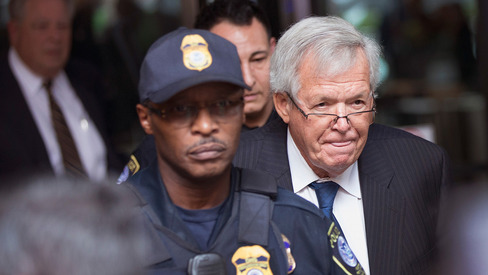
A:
(87, 139)
(348, 205)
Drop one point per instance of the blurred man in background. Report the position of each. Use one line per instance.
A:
(51, 114)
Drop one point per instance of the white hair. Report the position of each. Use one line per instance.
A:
(332, 43)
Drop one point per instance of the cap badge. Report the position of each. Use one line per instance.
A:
(195, 52)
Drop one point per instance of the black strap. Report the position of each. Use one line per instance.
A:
(256, 206)
(259, 182)
(255, 213)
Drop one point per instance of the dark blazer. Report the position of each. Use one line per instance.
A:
(402, 178)
(22, 149)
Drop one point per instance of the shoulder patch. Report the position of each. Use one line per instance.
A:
(133, 165)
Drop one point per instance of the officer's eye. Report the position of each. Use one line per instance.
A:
(182, 109)
(223, 103)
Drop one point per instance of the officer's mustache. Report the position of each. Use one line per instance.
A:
(207, 141)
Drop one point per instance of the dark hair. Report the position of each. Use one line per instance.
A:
(238, 12)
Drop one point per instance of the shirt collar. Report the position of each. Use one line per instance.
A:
(28, 80)
(302, 175)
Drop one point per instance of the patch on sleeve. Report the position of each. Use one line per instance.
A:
(133, 165)
(342, 253)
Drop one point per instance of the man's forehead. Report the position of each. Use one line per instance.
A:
(340, 95)
(250, 40)
(37, 10)
(328, 88)
(227, 29)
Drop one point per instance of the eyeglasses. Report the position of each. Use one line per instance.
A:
(348, 117)
(183, 115)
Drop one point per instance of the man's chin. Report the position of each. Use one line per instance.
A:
(207, 171)
(252, 110)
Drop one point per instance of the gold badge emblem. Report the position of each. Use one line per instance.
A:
(195, 52)
(133, 165)
(251, 260)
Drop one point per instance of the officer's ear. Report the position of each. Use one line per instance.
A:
(282, 106)
(144, 118)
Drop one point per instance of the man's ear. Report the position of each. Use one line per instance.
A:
(282, 106)
(272, 44)
(144, 118)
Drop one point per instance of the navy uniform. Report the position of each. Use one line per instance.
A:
(259, 226)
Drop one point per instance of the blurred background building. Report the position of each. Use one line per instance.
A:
(435, 65)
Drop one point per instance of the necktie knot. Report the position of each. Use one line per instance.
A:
(47, 84)
(326, 192)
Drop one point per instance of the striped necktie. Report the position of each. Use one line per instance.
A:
(69, 152)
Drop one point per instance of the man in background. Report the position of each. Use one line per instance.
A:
(244, 24)
(51, 114)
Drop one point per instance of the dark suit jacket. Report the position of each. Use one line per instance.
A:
(22, 149)
(402, 178)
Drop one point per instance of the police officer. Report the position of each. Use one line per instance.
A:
(201, 212)
(245, 24)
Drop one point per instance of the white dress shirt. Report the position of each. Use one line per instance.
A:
(86, 137)
(348, 205)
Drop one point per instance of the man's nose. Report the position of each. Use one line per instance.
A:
(248, 75)
(204, 123)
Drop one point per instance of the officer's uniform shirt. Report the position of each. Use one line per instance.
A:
(301, 222)
(200, 222)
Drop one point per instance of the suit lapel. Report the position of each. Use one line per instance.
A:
(274, 156)
(22, 135)
(383, 210)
